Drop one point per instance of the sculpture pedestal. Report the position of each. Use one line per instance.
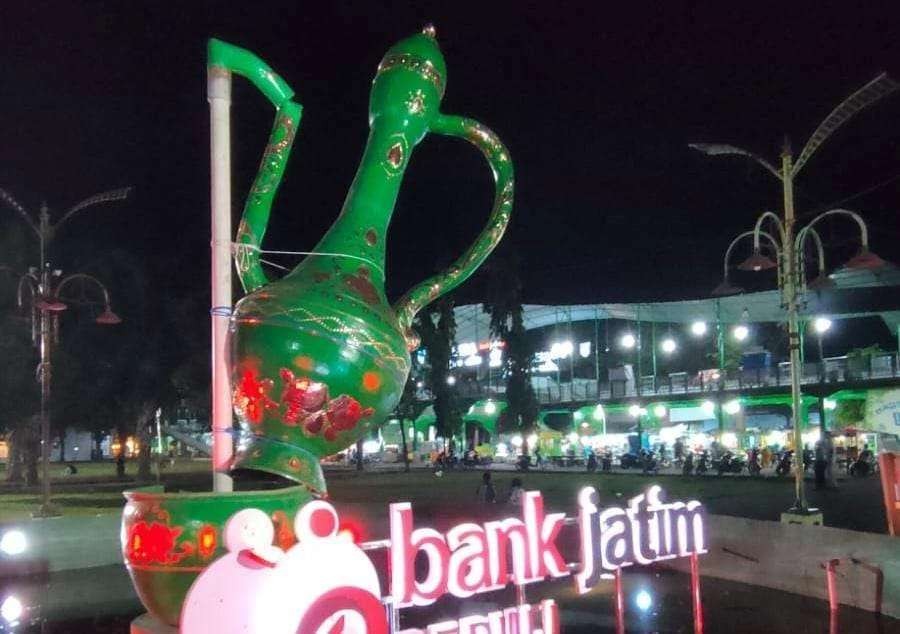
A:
(146, 624)
(810, 517)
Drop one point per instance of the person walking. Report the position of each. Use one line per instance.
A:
(828, 445)
(485, 493)
(820, 464)
(515, 492)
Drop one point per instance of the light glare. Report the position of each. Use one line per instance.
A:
(11, 610)
(13, 543)
(628, 341)
(643, 600)
(741, 332)
(669, 346)
(698, 328)
(822, 325)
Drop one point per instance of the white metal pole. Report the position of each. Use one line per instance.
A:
(219, 96)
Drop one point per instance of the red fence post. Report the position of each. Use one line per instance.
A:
(695, 594)
(890, 486)
(620, 604)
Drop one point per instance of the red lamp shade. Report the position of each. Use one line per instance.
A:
(725, 288)
(865, 260)
(51, 304)
(821, 283)
(757, 262)
(108, 318)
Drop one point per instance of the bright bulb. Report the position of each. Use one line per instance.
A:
(643, 600)
(628, 341)
(822, 325)
(698, 328)
(732, 407)
(741, 332)
(516, 441)
(13, 543)
(659, 411)
(708, 407)
(490, 407)
(451, 380)
(668, 346)
(634, 411)
(11, 610)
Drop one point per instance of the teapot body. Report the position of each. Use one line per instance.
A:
(318, 362)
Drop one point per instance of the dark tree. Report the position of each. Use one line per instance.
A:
(504, 305)
(19, 388)
(436, 326)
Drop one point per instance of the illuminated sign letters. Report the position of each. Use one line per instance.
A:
(258, 587)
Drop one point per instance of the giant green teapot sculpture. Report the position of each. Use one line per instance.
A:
(319, 357)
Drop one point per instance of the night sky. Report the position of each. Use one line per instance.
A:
(596, 102)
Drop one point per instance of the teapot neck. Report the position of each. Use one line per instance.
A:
(361, 229)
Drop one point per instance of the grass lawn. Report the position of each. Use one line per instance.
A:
(856, 505)
(106, 470)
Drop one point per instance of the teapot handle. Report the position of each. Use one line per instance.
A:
(224, 57)
(498, 158)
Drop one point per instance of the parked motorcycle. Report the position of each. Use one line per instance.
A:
(730, 463)
(784, 463)
(649, 463)
(629, 461)
(861, 467)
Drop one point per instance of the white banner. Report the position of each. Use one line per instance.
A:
(883, 411)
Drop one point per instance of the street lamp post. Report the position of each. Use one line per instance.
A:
(45, 286)
(791, 280)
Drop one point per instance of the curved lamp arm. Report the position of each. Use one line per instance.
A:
(82, 276)
(97, 199)
(14, 204)
(863, 230)
(32, 288)
(755, 233)
(759, 222)
(820, 249)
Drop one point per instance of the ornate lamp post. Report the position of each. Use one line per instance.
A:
(789, 242)
(46, 300)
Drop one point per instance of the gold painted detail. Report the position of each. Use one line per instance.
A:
(273, 158)
(415, 103)
(395, 155)
(422, 67)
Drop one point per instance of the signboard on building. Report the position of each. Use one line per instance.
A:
(883, 411)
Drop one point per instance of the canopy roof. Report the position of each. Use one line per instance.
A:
(856, 294)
